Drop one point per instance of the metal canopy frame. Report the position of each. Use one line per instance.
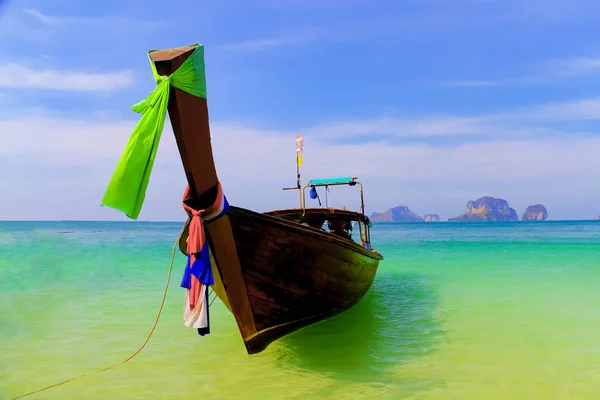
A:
(350, 181)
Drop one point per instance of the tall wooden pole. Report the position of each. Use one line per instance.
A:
(299, 149)
(189, 119)
(298, 185)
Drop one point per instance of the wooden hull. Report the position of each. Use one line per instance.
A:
(294, 275)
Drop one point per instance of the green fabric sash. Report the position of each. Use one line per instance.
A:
(127, 188)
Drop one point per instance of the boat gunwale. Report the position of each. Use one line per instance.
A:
(349, 244)
(357, 216)
(301, 229)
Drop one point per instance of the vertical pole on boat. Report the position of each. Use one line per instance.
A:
(362, 210)
(299, 149)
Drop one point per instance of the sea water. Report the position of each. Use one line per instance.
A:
(458, 311)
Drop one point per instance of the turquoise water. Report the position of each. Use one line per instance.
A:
(457, 311)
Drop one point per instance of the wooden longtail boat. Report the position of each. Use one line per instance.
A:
(277, 271)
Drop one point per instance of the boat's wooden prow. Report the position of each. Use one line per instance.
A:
(189, 118)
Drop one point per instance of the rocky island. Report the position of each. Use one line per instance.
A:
(536, 212)
(483, 209)
(487, 209)
(396, 214)
(431, 218)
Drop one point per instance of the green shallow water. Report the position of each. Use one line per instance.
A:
(457, 311)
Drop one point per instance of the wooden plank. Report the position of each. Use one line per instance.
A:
(190, 122)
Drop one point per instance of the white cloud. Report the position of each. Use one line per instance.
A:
(322, 4)
(524, 122)
(574, 110)
(20, 76)
(547, 72)
(270, 43)
(42, 17)
(470, 83)
(573, 67)
(403, 127)
(91, 22)
(254, 165)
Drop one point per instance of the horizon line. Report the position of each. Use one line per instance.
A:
(183, 222)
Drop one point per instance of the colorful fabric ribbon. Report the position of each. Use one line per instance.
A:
(126, 190)
(198, 271)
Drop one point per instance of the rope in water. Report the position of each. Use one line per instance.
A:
(138, 350)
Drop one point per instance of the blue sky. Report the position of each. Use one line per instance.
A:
(430, 103)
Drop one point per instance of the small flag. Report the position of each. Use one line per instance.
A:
(299, 144)
(299, 161)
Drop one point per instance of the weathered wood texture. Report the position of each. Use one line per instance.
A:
(295, 275)
(189, 119)
(299, 215)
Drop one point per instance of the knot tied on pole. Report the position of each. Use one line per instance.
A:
(198, 274)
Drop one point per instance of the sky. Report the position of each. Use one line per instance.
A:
(429, 103)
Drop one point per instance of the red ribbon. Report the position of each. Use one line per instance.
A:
(196, 237)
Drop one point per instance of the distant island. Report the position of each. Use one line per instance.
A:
(402, 214)
(431, 218)
(484, 209)
(487, 209)
(396, 214)
(536, 212)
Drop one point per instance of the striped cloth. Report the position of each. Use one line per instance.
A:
(198, 273)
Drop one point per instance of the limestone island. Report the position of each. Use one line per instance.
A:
(396, 214)
(536, 212)
(487, 209)
(431, 218)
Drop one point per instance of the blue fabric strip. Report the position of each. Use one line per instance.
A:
(201, 268)
(186, 280)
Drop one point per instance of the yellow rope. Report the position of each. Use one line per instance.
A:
(131, 356)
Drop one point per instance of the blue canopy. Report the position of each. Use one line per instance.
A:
(332, 181)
